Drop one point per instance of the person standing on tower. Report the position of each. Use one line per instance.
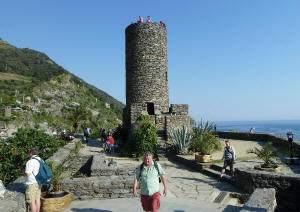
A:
(140, 20)
(148, 19)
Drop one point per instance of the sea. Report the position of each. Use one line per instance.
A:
(278, 127)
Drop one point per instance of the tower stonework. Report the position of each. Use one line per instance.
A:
(147, 79)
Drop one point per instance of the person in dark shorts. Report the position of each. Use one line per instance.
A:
(229, 158)
(148, 174)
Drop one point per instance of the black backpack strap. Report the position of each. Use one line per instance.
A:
(228, 150)
(142, 166)
(141, 169)
(156, 167)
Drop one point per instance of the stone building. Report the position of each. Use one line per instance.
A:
(147, 80)
(7, 111)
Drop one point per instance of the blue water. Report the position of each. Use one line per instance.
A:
(273, 127)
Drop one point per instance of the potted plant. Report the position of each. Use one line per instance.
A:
(205, 144)
(181, 140)
(267, 154)
(55, 200)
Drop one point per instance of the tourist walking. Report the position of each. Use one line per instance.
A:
(87, 132)
(148, 174)
(111, 143)
(228, 157)
(33, 190)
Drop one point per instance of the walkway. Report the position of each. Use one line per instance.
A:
(188, 191)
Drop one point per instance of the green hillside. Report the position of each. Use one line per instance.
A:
(46, 92)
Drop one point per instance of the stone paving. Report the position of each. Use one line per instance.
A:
(188, 190)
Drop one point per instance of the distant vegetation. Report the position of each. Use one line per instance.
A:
(47, 93)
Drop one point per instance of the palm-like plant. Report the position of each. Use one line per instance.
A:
(181, 139)
(57, 176)
(266, 153)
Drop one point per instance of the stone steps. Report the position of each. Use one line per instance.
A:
(216, 174)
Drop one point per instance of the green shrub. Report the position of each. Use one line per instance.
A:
(181, 139)
(205, 143)
(145, 135)
(14, 151)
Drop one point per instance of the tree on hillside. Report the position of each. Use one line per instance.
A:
(78, 114)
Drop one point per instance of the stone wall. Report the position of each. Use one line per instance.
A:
(261, 200)
(275, 139)
(176, 122)
(180, 109)
(100, 187)
(105, 181)
(287, 186)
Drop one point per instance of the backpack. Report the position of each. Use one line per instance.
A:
(156, 167)
(44, 175)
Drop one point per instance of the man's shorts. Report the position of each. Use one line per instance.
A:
(33, 192)
(228, 163)
(151, 203)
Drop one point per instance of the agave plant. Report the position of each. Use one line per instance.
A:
(204, 127)
(181, 139)
(266, 153)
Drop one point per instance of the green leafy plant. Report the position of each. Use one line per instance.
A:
(266, 153)
(145, 135)
(14, 151)
(205, 142)
(77, 147)
(57, 175)
(181, 139)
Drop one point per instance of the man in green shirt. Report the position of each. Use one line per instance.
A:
(148, 173)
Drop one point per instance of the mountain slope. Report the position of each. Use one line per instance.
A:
(45, 92)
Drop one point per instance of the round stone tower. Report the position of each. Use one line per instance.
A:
(147, 68)
(147, 90)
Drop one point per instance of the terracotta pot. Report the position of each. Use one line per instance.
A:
(203, 158)
(268, 169)
(56, 202)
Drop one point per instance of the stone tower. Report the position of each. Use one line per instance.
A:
(147, 76)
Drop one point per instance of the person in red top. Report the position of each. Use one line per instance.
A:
(111, 143)
(140, 19)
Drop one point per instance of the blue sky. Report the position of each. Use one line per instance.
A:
(228, 59)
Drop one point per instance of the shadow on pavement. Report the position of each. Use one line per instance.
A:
(232, 208)
(88, 210)
(93, 143)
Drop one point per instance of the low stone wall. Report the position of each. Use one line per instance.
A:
(14, 197)
(275, 139)
(100, 187)
(105, 181)
(243, 182)
(287, 186)
(263, 200)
